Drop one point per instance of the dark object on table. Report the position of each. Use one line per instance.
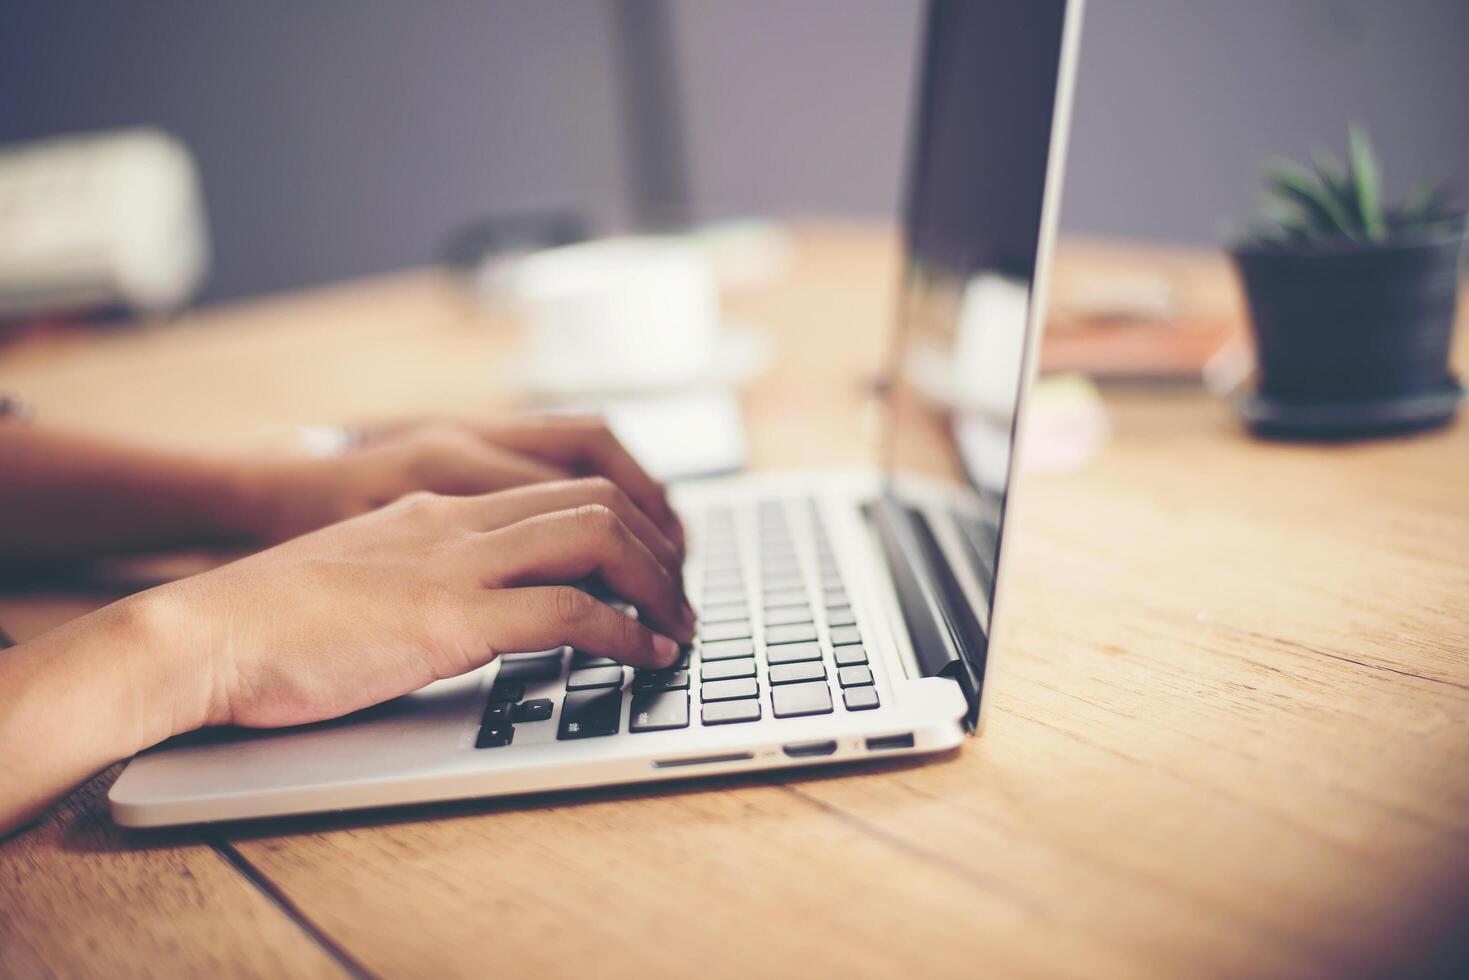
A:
(1352, 305)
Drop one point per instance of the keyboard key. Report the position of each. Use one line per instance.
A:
(794, 700)
(529, 671)
(722, 597)
(840, 616)
(658, 711)
(787, 615)
(733, 580)
(780, 565)
(835, 597)
(793, 653)
(580, 660)
(795, 633)
(795, 673)
(726, 649)
(723, 613)
(850, 656)
(660, 680)
(494, 736)
(731, 690)
(860, 698)
(785, 597)
(513, 691)
(536, 709)
(845, 635)
(591, 714)
(731, 712)
(584, 680)
(722, 670)
(782, 581)
(854, 676)
(738, 629)
(496, 713)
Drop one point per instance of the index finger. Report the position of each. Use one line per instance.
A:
(586, 444)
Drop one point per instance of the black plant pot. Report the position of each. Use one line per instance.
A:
(1352, 340)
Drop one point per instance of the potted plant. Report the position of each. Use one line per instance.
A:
(1351, 302)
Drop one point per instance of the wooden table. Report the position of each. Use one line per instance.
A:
(1230, 736)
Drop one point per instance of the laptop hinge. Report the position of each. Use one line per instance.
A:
(947, 638)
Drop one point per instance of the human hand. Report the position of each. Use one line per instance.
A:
(340, 619)
(426, 588)
(286, 497)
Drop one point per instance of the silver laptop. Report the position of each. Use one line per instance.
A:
(843, 616)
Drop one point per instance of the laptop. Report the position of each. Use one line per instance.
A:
(843, 615)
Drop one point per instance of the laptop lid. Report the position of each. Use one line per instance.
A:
(984, 188)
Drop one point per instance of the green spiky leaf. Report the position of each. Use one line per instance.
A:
(1366, 183)
(1295, 186)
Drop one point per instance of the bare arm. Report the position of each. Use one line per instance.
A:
(334, 621)
(67, 495)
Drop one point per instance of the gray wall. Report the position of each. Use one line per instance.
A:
(345, 138)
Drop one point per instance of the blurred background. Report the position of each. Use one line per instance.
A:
(337, 140)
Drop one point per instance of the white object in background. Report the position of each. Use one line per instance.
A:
(624, 315)
(102, 219)
(678, 436)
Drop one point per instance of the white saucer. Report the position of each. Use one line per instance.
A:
(740, 353)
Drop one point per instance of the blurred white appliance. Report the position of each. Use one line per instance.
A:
(100, 220)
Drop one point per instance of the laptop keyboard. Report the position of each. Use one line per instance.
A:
(776, 638)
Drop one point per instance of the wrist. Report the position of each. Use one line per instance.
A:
(164, 662)
(239, 503)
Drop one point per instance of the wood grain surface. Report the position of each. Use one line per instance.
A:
(1230, 736)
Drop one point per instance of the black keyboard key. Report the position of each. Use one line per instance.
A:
(581, 660)
(794, 700)
(737, 629)
(497, 713)
(494, 736)
(795, 633)
(730, 712)
(660, 680)
(529, 671)
(731, 690)
(840, 616)
(658, 711)
(812, 670)
(785, 597)
(536, 709)
(513, 691)
(592, 677)
(793, 653)
(845, 635)
(787, 615)
(860, 698)
(854, 676)
(726, 650)
(850, 656)
(722, 670)
(591, 714)
(723, 613)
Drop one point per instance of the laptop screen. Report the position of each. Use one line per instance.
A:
(977, 196)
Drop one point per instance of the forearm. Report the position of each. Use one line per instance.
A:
(66, 495)
(89, 693)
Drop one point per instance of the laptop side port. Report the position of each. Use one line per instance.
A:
(703, 760)
(808, 750)
(887, 743)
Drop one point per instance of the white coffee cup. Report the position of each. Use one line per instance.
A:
(620, 314)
